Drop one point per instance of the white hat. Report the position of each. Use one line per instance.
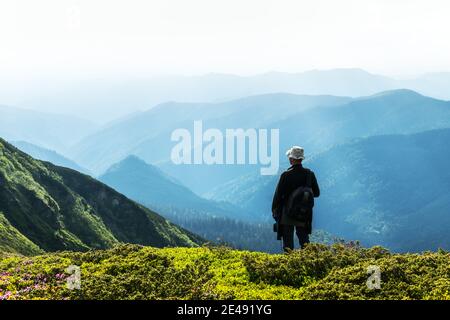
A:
(296, 153)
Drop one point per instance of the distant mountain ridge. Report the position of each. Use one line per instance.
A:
(317, 123)
(109, 99)
(52, 131)
(392, 112)
(139, 134)
(56, 208)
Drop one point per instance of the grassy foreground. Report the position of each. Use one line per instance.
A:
(135, 272)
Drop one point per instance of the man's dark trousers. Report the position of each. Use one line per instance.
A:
(287, 235)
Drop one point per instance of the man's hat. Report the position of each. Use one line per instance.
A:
(296, 153)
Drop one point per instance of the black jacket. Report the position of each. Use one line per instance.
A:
(290, 180)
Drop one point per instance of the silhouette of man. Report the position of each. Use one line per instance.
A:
(294, 177)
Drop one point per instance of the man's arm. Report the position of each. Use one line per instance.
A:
(315, 186)
(278, 198)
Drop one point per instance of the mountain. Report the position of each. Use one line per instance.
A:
(148, 134)
(52, 131)
(12, 240)
(351, 82)
(317, 123)
(391, 112)
(431, 84)
(390, 190)
(57, 208)
(105, 99)
(44, 154)
(150, 186)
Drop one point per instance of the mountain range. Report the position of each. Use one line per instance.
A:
(317, 123)
(140, 133)
(105, 99)
(52, 131)
(50, 208)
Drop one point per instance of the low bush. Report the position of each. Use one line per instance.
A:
(317, 272)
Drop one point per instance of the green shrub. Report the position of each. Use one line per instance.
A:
(317, 272)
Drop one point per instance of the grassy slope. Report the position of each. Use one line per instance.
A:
(12, 240)
(319, 272)
(60, 209)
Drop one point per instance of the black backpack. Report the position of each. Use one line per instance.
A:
(301, 201)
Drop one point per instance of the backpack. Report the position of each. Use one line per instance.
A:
(301, 201)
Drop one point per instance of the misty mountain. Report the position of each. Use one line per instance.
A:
(148, 134)
(44, 154)
(153, 188)
(390, 190)
(317, 123)
(51, 208)
(391, 112)
(52, 131)
(104, 100)
(148, 184)
(318, 129)
(431, 84)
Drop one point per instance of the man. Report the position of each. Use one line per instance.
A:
(294, 177)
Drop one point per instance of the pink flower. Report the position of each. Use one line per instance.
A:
(6, 296)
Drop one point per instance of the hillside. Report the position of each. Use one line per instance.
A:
(390, 190)
(12, 240)
(318, 272)
(58, 208)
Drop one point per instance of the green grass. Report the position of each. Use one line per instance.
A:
(12, 240)
(318, 272)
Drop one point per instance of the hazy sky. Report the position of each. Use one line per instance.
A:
(392, 37)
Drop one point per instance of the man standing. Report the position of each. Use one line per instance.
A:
(293, 200)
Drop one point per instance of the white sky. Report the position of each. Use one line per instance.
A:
(69, 37)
